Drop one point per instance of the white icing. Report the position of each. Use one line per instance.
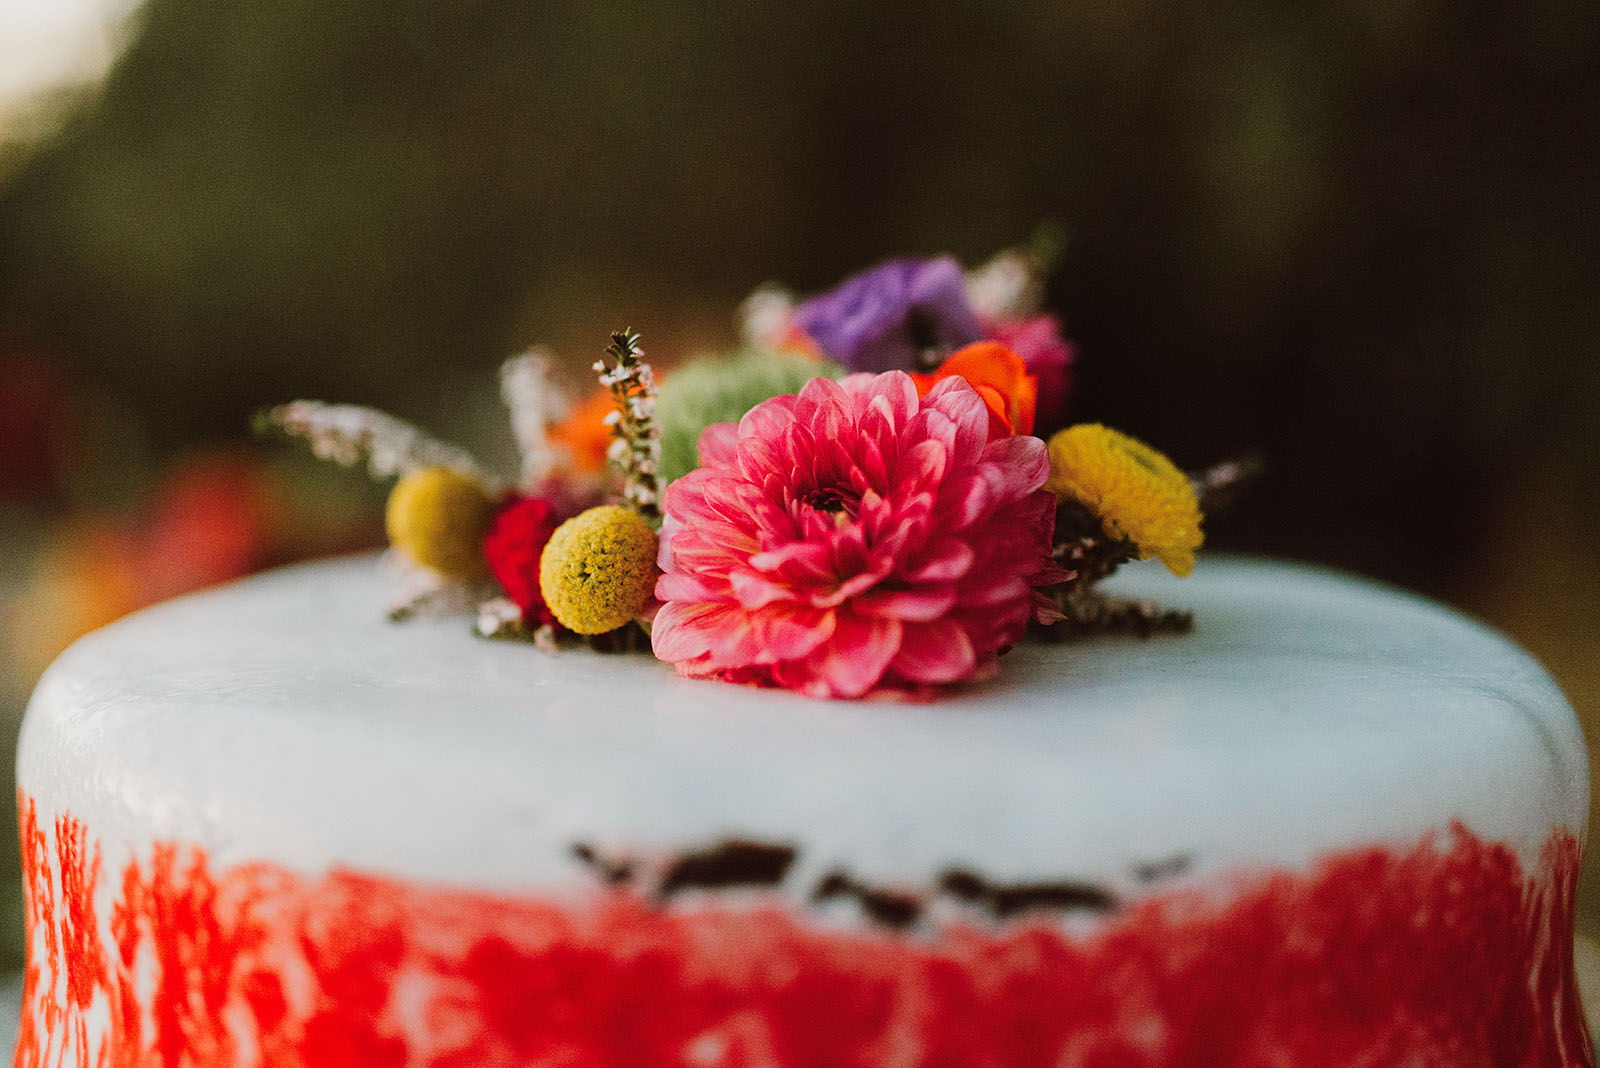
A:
(282, 719)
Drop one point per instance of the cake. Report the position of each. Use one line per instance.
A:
(919, 775)
(1335, 825)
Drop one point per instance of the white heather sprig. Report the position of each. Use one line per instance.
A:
(636, 450)
(765, 316)
(1011, 285)
(347, 434)
(534, 402)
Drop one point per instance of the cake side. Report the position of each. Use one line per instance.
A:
(1442, 955)
(1307, 711)
(269, 787)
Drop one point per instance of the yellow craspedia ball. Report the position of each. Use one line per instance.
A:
(438, 518)
(1135, 491)
(599, 569)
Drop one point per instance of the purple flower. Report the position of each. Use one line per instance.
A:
(904, 315)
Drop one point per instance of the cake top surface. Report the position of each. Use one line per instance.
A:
(283, 718)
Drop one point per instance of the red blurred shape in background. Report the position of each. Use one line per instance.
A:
(38, 423)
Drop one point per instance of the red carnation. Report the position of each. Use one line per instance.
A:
(515, 540)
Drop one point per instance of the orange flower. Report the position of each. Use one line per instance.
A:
(793, 339)
(586, 431)
(1001, 379)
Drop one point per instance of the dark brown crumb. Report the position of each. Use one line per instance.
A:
(1166, 868)
(1007, 900)
(614, 871)
(744, 863)
(733, 862)
(892, 908)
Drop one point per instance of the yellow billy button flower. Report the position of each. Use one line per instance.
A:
(599, 569)
(1135, 492)
(438, 518)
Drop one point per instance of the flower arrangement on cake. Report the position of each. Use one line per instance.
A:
(875, 497)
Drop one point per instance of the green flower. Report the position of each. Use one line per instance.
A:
(720, 389)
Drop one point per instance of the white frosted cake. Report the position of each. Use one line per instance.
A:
(1335, 825)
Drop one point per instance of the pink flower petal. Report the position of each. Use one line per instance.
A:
(921, 604)
(956, 398)
(684, 493)
(1009, 591)
(702, 500)
(825, 409)
(798, 563)
(758, 456)
(922, 466)
(854, 661)
(947, 560)
(682, 629)
(767, 419)
(717, 444)
(891, 400)
(860, 583)
(930, 424)
(680, 586)
(796, 635)
(966, 498)
(1022, 459)
(934, 652)
(1050, 574)
(698, 668)
(756, 591)
(1046, 611)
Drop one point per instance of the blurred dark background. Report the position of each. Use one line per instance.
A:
(1361, 237)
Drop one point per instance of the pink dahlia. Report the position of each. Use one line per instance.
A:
(854, 537)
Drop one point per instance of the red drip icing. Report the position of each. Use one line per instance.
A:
(1445, 954)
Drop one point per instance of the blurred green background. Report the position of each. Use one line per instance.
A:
(1361, 237)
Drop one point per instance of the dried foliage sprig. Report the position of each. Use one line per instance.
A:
(636, 450)
(501, 618)
(348, 434)
(1083, 547)
(1221, 485)
(1093, 612)
(422, 593)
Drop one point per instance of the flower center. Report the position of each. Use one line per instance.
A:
(832, 499)
(922, 327)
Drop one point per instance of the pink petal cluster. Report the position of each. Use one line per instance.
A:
(853, 538)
